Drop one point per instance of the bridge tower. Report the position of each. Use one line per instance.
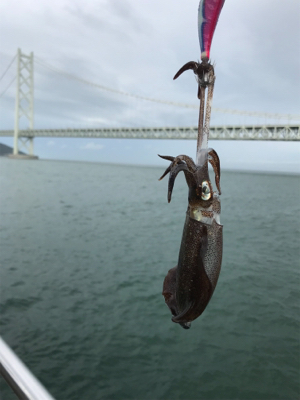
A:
(24, 101)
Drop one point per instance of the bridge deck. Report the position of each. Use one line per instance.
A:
(268, 132)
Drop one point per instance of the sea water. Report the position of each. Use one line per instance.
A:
(84, 251)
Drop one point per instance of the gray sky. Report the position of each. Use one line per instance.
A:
(137, 47)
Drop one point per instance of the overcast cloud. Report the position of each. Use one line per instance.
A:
(137, 47)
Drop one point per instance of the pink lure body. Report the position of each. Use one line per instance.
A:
(208, 15)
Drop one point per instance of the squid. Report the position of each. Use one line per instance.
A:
(189, 286)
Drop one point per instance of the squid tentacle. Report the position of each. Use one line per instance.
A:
(173, 173)
(178, 160)
(181, 160)
(175, 167)
(188, 160)
(170, 158)
(189, 65)
(214, 160)
(165, 173)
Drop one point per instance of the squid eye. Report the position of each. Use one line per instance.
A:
(206, 194)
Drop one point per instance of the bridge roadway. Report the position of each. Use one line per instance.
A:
(266, 132)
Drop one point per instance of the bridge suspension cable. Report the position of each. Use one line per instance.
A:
(4, 73)
(171, 103)
(8, 86)
(9, 65)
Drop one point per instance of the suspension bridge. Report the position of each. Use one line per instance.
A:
(24, 106)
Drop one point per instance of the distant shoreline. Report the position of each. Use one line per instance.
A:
(243, 171)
